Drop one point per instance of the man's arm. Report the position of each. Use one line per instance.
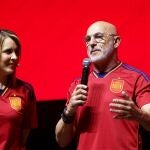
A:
(127, 109)
(64, 133)
(145, 117)
(65, 130)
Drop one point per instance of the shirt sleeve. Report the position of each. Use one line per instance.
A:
(30, 112)
(142, 91)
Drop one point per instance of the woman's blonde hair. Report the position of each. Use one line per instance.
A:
(4, 33)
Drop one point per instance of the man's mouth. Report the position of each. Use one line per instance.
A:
(95, 50)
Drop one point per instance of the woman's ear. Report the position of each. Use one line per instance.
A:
(117, 41)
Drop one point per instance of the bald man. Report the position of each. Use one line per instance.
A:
(107, 113)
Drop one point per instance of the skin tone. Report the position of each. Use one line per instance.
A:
(102, 42)
(8, 59)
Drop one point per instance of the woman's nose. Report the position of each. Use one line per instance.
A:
(14, 56)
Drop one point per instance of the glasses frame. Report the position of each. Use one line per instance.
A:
(98, 37)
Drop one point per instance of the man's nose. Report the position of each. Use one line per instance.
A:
(92, 41)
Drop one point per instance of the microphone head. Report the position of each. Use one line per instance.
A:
(86, 62)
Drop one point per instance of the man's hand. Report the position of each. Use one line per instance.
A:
(125, 108)
(78, 98)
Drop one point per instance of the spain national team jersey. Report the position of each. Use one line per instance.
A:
(96, 127)
(17, 112)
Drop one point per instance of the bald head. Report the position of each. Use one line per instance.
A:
(102, 42)
(103, 27)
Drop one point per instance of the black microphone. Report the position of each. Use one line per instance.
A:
(85, 72)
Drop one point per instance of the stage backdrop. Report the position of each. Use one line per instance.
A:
(52, 34)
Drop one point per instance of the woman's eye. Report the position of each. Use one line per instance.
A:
(8, 51)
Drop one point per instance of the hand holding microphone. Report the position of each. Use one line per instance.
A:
(79, 95)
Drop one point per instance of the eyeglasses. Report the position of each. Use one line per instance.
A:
(98, 37)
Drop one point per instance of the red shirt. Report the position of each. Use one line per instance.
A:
(17, 112)
(96, 128)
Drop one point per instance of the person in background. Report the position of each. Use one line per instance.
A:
(107, 113)
(17, 97)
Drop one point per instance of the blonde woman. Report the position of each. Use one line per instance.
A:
(17, 98)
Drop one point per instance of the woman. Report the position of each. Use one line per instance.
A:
(17, 98)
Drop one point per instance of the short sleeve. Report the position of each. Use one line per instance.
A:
(30, 112)
(142, 91)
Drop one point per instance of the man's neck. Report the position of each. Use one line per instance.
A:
(106, 67)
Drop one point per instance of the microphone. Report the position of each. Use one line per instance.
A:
(85, 72)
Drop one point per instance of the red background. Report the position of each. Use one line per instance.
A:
(52, 36)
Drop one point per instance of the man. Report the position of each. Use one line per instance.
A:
(107, 113)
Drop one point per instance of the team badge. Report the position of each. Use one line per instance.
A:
(15, 102)
(116, 85)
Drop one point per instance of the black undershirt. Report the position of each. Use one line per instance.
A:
(1, 91)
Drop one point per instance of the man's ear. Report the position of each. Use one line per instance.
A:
(117, 41)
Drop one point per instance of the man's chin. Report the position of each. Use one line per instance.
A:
(96, 59)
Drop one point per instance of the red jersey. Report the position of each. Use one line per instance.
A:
(96, 128)
(17, 112)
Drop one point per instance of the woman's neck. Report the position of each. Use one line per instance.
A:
(3, 82)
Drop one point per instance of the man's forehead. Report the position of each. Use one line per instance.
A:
(101, 28)
(96, 29)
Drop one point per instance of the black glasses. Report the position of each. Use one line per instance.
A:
(98, 37)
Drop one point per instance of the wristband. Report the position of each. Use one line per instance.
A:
(67, 119)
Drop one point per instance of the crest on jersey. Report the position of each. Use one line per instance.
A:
(116, 85)
(15, 102)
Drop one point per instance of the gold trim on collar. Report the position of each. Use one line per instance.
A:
(110, 71)
(4, 91)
